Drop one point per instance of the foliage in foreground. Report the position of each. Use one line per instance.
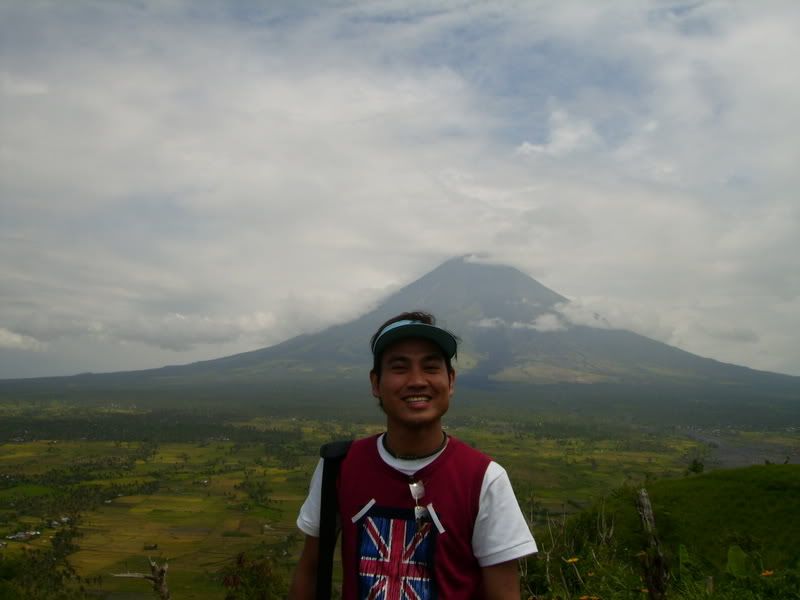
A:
(44, 574)
(260, 574)
(604, 553)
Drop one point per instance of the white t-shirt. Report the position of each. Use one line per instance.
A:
(500, 534)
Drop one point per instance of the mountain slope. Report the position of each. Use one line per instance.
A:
(511, 331)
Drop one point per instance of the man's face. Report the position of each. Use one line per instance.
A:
(415, 385)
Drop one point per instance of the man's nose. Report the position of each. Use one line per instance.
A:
(416, 377)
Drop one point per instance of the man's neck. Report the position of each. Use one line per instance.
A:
(403, 442)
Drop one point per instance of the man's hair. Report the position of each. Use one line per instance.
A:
(422, 317)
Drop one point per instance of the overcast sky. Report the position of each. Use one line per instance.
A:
(185, 180)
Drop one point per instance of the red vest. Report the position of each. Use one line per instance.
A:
(387, 551)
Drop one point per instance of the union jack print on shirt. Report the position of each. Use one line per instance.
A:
(396, 559)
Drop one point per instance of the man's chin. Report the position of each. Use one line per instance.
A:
(419, 421)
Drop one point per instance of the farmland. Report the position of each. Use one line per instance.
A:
(199, 490)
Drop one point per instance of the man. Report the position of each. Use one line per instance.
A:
(423, 515)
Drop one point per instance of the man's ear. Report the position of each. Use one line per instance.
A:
(373, 380)
(452, 376)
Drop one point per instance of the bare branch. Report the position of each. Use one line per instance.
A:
(157, 578)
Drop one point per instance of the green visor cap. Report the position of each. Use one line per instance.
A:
(415, 329)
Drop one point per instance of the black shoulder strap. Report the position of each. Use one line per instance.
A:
(332, 453)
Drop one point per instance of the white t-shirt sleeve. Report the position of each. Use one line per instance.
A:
(308, 519)
(501, 532)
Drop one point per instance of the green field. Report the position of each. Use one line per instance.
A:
(200, 503)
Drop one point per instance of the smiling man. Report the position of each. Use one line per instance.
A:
(422, 514)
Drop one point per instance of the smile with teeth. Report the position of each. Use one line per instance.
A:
(416, 399)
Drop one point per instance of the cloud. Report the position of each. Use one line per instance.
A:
(732, 334)
(198, 179)
(9, 339)
(584, 313)
(543, 323)
(566, 136)
(183, 332)
(489, 323)
(11, 86)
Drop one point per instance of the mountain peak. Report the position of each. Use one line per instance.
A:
(464, 289)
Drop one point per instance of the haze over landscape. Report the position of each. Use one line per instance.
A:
(184, 181)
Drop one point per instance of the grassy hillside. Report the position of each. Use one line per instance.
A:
(756, 508)
(736, 532)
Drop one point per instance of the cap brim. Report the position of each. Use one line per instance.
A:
(444, 339)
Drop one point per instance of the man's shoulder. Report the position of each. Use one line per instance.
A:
(335, 450)
(341, 449)
(360, 445)
(367, 441)
(463, 458)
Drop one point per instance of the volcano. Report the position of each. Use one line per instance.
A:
(512, 328)
(514, 331)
